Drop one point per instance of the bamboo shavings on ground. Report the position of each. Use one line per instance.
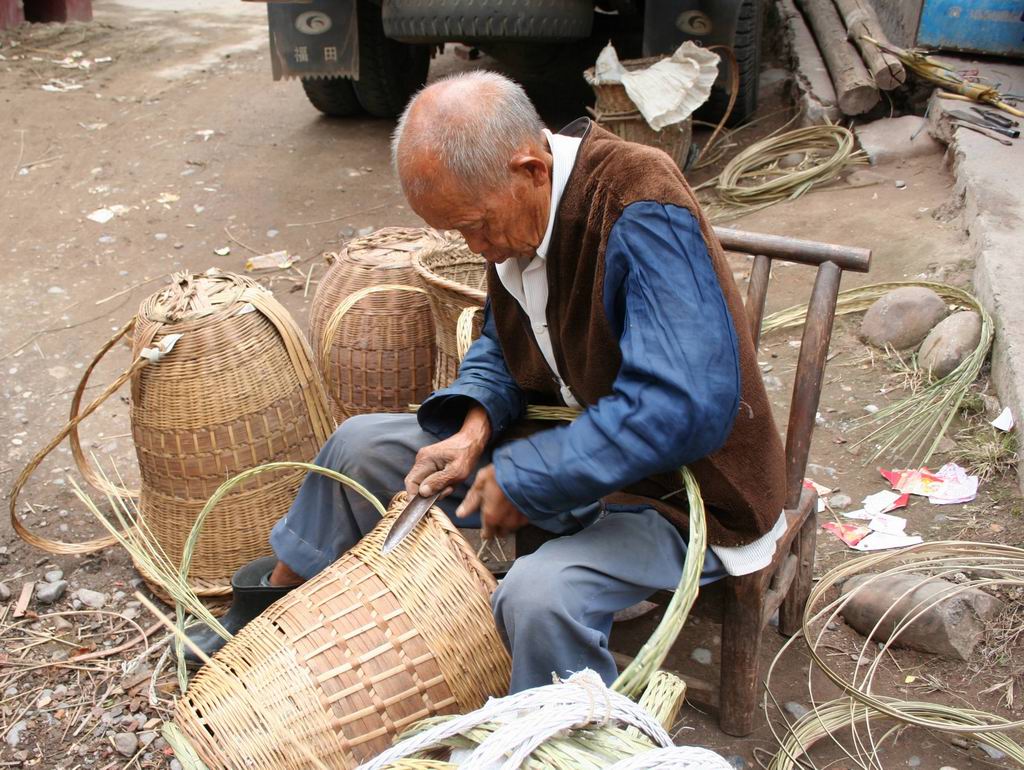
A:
(916, 423)
(978, 565)
(754, 178)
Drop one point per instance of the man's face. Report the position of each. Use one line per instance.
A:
(500, 224)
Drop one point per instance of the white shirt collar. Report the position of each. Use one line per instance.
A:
(563, 153)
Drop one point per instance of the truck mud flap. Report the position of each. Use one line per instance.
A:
(314, 39)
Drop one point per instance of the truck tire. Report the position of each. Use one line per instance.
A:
(439, 21)
(390, 72)
(334, 97)
(747, 45)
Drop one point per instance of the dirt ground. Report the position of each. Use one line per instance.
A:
(185, 135)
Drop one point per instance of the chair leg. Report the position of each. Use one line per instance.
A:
(741, 646)
(791, 612)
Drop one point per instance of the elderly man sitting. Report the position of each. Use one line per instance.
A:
(608, 292)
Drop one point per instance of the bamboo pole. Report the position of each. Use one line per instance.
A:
(861, 21)
(855, 89)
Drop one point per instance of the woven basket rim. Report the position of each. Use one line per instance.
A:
(381, 239)
(152, 309)
(419, 263)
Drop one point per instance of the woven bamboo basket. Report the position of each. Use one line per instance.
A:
(456, 280)
(337, 668)
(222, 380)
(370, 324)
(615, 111)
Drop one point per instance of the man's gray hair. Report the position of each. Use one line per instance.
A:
(474, 143)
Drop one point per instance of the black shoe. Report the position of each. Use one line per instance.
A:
(251, 594)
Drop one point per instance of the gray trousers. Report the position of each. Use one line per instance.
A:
(554, 608)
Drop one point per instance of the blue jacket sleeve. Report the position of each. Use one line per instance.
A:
(483, 379)
(677, 392)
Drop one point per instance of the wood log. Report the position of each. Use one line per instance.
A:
(856, 91)
(861, 21)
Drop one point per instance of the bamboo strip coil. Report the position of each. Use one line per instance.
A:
(378, 354)
(354, 656)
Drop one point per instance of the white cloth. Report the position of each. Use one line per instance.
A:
(528, 283)
(668, 91)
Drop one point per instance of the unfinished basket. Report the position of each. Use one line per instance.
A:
(370, 324)
(456, 280)
(338, 667)
(615, 112)
(222, 380)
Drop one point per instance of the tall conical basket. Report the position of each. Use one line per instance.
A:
(456, 281)
(370, 324)
(337, 668)
(222, 380)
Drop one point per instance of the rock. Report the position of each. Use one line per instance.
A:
(771, 382)
(5, 592)
(900, 184)
(951, 627)
(822, 470)
(702, 656)
(992, 751)
(48, 593)
(147, 737)
(45, 699)
(949, 343)
(53, 575)
(840, 501)
(126, 744)
(902, 318)
(871, 409)
(947, 767)
(795, 710)
(737, 762)
(896, 138)
(15, 731)
(91, 599)
(914, 761)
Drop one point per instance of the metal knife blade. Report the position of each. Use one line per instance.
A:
(407, 520)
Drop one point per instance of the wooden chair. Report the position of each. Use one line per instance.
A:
(748, 603)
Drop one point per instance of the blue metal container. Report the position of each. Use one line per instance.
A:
(976, 26)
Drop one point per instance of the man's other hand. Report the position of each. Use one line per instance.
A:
(498, 515)
(443, 466)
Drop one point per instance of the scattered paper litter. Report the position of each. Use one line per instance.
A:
(223, 251)
(882, 541)
(1004, 421)
(167, 197)
(859, 514)
(275, 260)
(206, 133)
(958, 486)
(890, 525)
(885, 501)
(668, 91)
(822, 491)
(851, 534)
(951, 484)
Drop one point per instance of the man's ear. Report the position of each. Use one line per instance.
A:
(531, 166)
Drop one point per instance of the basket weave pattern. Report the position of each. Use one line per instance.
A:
(616, 112)
(456, 279)
(349, 659)
(380, 358)
(228, 397)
